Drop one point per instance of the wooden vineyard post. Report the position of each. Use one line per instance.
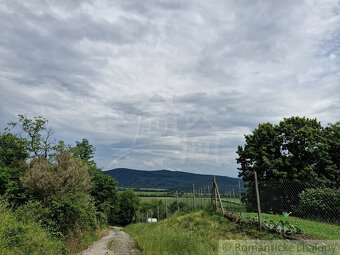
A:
(157, 213)
(215, 191)
(212, 192)
(239, 193)
(204, 197)
(258, 200)
(177, 200)
(166, 208)
(218, 195)
(201, 200)
(147, 216)
(194, 198)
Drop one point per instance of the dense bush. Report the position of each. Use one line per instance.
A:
(71, 212)
(321, 204)
(45, 180)
(183, 207)
(105, 194)
(25, 237)
(128, 205)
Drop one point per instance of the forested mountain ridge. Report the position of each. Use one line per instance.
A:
(167, 179)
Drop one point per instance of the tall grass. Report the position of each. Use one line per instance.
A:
(25, 237)
(311, 228)
(193, 233)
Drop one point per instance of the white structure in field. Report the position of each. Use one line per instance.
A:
(152, 220)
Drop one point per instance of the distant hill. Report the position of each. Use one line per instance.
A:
(172, 180)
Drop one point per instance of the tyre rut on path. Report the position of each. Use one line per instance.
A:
(121, 242)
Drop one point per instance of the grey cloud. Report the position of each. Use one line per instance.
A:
(168, 84)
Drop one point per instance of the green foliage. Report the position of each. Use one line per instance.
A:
(296, 151)
(281, 227)
(71, 212)
(321, 204)
(183, 207)
(25, 237)
(105, 194)
(44, 179)
(12, 162)
(39, 137)
(193, 233)
(55, 191)
(128, 205)
(315, 229)
(333, 138)
(12, 150)
(85, 151)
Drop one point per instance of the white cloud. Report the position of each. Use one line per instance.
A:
(140, 79)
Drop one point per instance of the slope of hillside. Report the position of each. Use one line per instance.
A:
(166, 179)
(192, 233)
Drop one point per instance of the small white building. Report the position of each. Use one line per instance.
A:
(152, 220)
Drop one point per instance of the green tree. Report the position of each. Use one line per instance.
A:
(105, 194)
(85, 151)
(333, 138)
(295, 151)
(38, 135)
(128, 205)
(12, 163)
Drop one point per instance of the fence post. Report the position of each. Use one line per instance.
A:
(218, 195)
(177, 200)
(239, 193)
(258, 201)
(157, 213)
(194, 198)
(166, 208)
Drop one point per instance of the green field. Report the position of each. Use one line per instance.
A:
(315, 229)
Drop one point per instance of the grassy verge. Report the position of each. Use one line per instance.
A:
(310, 228)
(25, 237)
(193, 233)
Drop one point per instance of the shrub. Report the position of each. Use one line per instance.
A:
(45, 180)
(322, 204)
(73, 211)
(25, 237)
(183, 207)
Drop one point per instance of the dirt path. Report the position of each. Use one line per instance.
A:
(122, 244)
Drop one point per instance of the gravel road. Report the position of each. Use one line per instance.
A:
(122, 244)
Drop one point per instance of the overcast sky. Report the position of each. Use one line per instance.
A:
(168, 84)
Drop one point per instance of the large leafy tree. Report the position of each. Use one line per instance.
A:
(287, 158)
(333, 138)
(12, 163)
(128, 205)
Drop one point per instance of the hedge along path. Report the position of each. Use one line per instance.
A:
(121, 242)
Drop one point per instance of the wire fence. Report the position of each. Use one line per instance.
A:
(313, 201)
